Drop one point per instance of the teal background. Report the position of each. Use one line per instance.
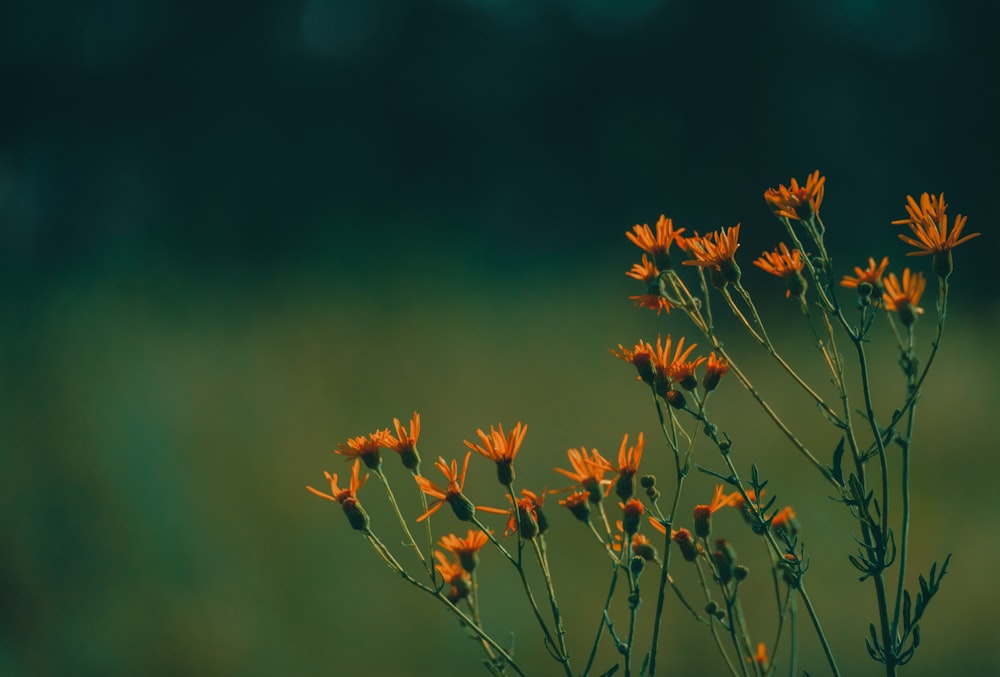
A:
(232, 236)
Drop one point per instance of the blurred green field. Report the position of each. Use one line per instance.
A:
(159, 427)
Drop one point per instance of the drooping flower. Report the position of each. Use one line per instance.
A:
(464, 509)
(903, 297)
(466, 549)
(654, 298)
(787, 265)
(628, 466)
(715, 369)
(501, 448)
(347, 498)
(872, 275)
(455, 575)
(716, 251)
(797, 202)
(703, 513)
(657, 246)
(404, 442)
(588, 473)
(929, 223)
(365, 447)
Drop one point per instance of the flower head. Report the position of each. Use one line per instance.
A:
(455, 575)
(588, 473)
(641, 545)
(463, 507)
(715, 369)
(715, 251)
(657, 246)
(501, 448)
(654, 298)
(872, 275)
(523, 517)
(903, 297)
(628, 466)
(365, 447)
(404, 442)
(787, 265)
(797, 202)
(785, 521)
(737, 501)
(466, 549)
(641, 357)
(348, 498)
(687, 545)
(632, 512)
(760, 658)
(929, 223)
(578, 505)
(671, 364)
(703, 513)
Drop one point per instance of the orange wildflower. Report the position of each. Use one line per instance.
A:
(648, 273)
(715, 369)
(628, 466)
(871, 275)
(671, 364)
(641, 357)
(703, 513)
(455, 575)
(588, 473)
(365, 447)
(404, 442)
(929, 223)
(348, 498)
(463, 507)
(797, 202)
(641, 545)
(903, 298)
(578, 504)
(716, 251)
(787, 265)
(526, 517)
(632, 512)
(466, 549)
(784, 521)
(760, 658)
(689, 549)
(501, 449)
(659, 246)
(737, 501)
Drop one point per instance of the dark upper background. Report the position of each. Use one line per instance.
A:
(234, 234)
(234, 134)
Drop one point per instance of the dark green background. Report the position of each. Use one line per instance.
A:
(233, 235)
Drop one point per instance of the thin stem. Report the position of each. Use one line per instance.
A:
(604, 614)
(395, 506)
(546, 574)
(819, 630)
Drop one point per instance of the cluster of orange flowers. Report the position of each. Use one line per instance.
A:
(716, 251)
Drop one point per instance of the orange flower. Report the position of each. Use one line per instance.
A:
(715, 369)
(929, 223)
(716, 251)
(795, 202)
(628, 466)
(501, 449)
(641, 357)
(761, 656)
(659, 246)
(404, 442)
(649, 274)
(903, 298)
(348, 497)
(737, 501)
(784, 521)
(588, 473)
(703, 513)
(674, 367)
(871, 275)
(463, 507)
(787, 265)
(632, 512)
(525, 517)
(455, 575)
(689, 549)
(365, 448)
(577, 502)
(466, 549)
(641, 545)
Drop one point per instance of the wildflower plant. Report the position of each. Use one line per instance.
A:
(866, 471)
